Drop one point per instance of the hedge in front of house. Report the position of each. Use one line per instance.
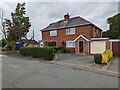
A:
(37, 52)
(26, 51)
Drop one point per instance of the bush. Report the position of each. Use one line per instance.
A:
(11, 45)
(109, 53)
(59, 49)
(46, 53)
(64, 50)
(104, 58)
(98, 58)
(107, 56)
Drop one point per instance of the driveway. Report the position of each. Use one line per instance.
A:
(114, 66)
(86, 62)
(75, 58)
(25, 73)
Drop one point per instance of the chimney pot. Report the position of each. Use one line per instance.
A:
(66, 16)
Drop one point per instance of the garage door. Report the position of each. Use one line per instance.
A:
(116, 48)
(97, 47)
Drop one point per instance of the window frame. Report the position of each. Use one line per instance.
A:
(70, 31)
(70, 44)
(55, 31)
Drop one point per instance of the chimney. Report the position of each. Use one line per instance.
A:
(66, 16)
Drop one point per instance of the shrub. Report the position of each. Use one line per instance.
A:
(107, 56)
(98, 58)
(63, 50)
(11, 45)
(109, 53)
(56, 49)
(59, 49)
(47, 52)
(104, 58)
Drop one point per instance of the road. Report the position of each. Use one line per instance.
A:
(23, 73)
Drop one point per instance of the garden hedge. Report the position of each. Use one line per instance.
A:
(46, 53)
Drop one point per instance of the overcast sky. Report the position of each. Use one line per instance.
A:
(43, 13)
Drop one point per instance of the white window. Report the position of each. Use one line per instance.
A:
(70, 31)
(70, 43)
(53, 33)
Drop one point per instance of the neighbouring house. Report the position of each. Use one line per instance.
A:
(77, 34)
(30, 43)
(115, 46)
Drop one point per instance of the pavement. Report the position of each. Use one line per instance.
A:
(33, 73)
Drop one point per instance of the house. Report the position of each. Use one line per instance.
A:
(30, 43)
(115, 46)
(75, 33)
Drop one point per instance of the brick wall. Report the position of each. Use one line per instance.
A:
(61, 34)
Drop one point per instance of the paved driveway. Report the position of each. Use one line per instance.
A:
(114, 64)
(76, 58)
(87, 61)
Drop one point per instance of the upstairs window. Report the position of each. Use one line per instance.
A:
(53, 33)
(70, 43)
(70, 31)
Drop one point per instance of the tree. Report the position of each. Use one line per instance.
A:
(2, 25)
(18, 27)
(104, 34)
(114, 27)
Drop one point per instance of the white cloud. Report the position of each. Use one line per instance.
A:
(43, 13)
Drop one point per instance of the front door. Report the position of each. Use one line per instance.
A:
(80, 46)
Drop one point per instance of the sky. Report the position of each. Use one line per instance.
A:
(43, 13)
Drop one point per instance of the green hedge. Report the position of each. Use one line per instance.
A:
(98, 58)
(46, 53)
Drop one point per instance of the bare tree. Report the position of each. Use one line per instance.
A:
(2, 25)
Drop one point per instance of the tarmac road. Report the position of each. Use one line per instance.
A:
(24, 73)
